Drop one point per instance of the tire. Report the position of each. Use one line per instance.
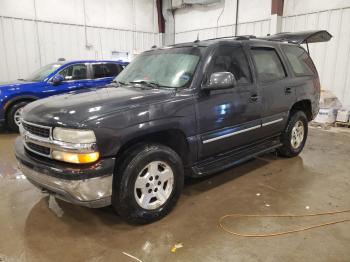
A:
(292, 140)
(134, 181)
(12, 114)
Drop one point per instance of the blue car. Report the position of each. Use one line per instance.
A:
(56, 78)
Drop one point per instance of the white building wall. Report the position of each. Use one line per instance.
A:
(295, 7)
(36, 32)
(332, 58)
(219, 20)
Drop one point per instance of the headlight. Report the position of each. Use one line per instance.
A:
(78, 146)
(75, 136)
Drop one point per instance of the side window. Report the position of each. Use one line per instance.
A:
(231, 59)
(105, 70)
(268, 64)
(299, 60)
(74, 72)
(114, 69)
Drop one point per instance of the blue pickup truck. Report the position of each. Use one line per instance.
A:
(52, 79)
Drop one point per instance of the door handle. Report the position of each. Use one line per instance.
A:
(288, 91)
(254, 98)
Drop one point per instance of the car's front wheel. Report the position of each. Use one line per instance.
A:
(148, 183)
(294, 136)
(14, 115)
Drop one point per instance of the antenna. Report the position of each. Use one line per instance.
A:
(197, 40)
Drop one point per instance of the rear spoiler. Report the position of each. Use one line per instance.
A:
(303, 37)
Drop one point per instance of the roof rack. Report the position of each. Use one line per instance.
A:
(304, 37)
(245, 37)
(239, 37)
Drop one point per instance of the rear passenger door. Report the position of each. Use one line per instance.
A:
(275, 86)
(103, 73)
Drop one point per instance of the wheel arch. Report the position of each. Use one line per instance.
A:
(17, 99)
(305, 106)
(173, 138)
(10, 103)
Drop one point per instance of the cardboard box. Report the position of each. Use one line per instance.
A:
(343, 115)
(326, 116)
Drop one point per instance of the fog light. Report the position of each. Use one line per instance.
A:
(76, 158)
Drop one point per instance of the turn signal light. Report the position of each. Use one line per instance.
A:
(76, 158)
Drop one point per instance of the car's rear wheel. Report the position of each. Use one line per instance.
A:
(14, 115)
(295, 134)
(148, 183)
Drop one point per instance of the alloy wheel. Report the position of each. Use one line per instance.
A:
(154, 185)
(297, 136)
(17, 116)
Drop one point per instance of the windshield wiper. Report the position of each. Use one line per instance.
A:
(146, 83)
(21, 79)
(119, 83)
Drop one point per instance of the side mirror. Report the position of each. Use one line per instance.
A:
(57, 79)
(221, 80)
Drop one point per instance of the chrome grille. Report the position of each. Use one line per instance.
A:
(38, 149)
(36, 129)
(33, 136)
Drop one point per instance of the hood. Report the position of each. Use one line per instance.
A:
(76, 108)
(14, 84)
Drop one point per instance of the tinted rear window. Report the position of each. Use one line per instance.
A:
(106, 70)
(268, 64)
(299, 60)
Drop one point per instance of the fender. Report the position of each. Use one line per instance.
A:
(141, 130)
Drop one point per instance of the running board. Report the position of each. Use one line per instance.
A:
(224, 161)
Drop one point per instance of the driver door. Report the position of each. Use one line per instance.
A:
(229, 118)
(75, 78)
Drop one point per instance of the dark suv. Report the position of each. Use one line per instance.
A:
(185, 110)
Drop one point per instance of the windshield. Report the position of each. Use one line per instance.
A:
(42, 73)
(166, 68)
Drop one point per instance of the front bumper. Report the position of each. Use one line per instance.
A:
(67, 183)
